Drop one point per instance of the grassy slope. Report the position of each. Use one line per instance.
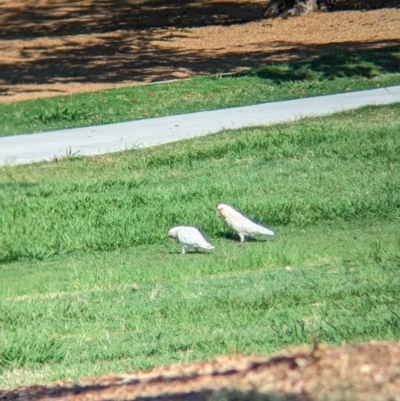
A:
(329, 73)
(91, 284)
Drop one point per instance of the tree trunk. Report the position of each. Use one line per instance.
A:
(289, 8)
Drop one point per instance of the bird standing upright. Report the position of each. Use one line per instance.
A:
(244, 226)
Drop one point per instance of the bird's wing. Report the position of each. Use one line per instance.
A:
(192, 236)
(243, 224)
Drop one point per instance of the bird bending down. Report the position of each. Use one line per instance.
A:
(190, 238)
(244, 226)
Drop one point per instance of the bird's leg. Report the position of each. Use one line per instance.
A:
(242, 237)
(183, 249)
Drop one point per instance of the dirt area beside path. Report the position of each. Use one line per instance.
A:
(363, 372)
(53, 47)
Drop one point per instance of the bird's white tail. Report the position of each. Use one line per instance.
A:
(267, 231)
(209, 246)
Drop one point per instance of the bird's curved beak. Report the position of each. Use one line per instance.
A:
(171, 238)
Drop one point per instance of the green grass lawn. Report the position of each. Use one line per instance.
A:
(326, 74)
(90, 282)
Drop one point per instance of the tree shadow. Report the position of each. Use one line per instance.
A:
(188, 383)
(366, 63)
(72, 17)
(114, 61)
(101, 42)
(106, 392)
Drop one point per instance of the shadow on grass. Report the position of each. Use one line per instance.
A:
(365, 63)
(234, 237)
(14, 186)
(228, 235)
(189, 253)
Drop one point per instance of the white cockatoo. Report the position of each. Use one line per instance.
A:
(189, 237)
(244, 226)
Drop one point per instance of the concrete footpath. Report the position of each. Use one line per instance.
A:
(20, 149)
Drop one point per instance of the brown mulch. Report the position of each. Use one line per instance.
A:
(53, 47)
(363, 372)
